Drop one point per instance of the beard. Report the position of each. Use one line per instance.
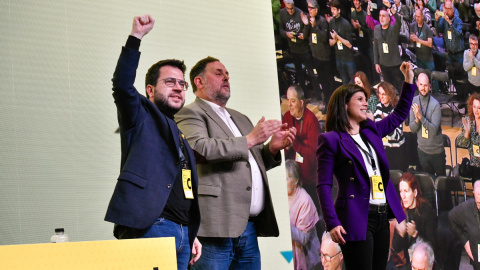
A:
(217, 95)
(161, 101)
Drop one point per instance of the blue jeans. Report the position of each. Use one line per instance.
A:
(347, 70)
(166, 228)
(230, 253)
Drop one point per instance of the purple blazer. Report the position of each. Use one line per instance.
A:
(338, 155)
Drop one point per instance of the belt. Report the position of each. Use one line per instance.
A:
(378, 208)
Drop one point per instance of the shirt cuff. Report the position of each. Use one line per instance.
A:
(133, 43)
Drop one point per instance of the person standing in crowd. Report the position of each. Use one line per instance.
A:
(320, 48)
(330, 253)
(470, 135)
(303, 147)
(352, 151)
(471, 64)
(421, 37)
(303, 220)
(405, 15)
(385, 47)
(232, 160)
(421, 217)
(363, 37)
(475, 20)
(464, 221)
(425, 120)
(341, 39)
(423, 257)
(427, 16)
(361, 80)
(296, 32)
(393, 141)
(451, 27)
(156, 193)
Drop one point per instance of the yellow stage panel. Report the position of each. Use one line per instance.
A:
(147, 253)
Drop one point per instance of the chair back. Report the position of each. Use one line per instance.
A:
(428, 187)
(446, 187)
(448, 144)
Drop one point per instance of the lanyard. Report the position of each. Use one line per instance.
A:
(421, 110)
(369, 153)
(182, 153)
(419, 31)
(301, 124)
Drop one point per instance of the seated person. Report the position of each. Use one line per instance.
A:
(421, 217)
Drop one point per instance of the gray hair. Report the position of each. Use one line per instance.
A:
(297, 88)
(313, 3)
(292, 169)
(425, 247)
(288, 2)
(328, 238)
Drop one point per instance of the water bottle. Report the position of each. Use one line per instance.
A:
(59, 236)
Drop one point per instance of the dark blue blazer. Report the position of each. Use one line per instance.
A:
(150, 155)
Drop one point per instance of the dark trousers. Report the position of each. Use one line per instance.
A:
(393, 75)
(433, 164)
(305, 59)
(325, 78)
(371, 254)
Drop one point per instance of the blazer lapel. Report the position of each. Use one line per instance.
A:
(350, 146)
(214, 116)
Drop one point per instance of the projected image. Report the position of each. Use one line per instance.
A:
(432, 155)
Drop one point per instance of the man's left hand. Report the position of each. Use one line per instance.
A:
(196, 251)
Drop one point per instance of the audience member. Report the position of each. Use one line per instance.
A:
(303, 218)
(425, 120)
(304, 146)
(464, 221)
(341, 38)
(404, 13)
(471, 64)
(427, 16)
(422, 37)
(470, 135)
(361, 80)
(422, 256)
(385, 48)
(421, 217)
(318, 38)
(363, 38)
(295, 31)
(475, 20)
(330, 253)
(393, 141)
(450, 26)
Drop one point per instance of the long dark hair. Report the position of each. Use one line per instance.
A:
(414, 185)
(337, 118)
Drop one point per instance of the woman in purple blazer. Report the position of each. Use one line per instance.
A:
(352, 151)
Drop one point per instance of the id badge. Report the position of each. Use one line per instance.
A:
(474, 71)
(298, 158)
(476, 151)
(352, 9)
(314, 71)
(339, 45)
(187, 183)
(360, 33)
(424, 133)
(385, 47)
(419, 44)
(449, 34)
(314, 38)
(385, 139)
(294, 39)
(478, 258)
(377, 187)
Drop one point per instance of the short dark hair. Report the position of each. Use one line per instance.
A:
(337, 118)
(335, 4)
(151, 78)
(199, 68)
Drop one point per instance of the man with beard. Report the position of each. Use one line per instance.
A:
(471, 64)
(234, 197)
(425, 120)
(156, 192)
(296, 32)
(422, 37)
(451, 27)
(385, 47)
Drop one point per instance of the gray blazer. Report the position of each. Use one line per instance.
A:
(224, 189)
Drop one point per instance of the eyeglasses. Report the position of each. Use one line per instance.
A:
(328, 258)
(170, 82)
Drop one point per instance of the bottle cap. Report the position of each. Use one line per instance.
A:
(59, 230)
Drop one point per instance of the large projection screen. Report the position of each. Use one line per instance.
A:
(60, 152)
